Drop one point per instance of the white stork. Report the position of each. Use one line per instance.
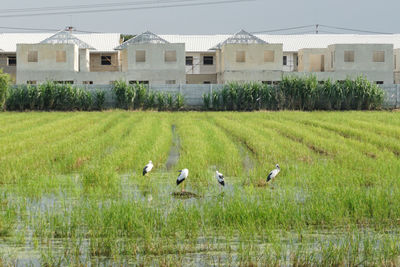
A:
(147, 168)
(220, 178)
(183, 174)
(273, 173)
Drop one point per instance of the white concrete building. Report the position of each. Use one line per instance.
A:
(167, 59)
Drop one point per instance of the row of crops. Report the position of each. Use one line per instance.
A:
(297, 93)
(71, 187)
(293, 93)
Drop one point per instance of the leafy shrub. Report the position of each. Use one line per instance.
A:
(4, 81)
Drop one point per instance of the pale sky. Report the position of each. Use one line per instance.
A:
(380, 16)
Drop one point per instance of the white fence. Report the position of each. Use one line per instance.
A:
(392, 95)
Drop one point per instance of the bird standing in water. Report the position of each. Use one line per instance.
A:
(147, 168)
(273, 173)
(220, 178)
(183, 174)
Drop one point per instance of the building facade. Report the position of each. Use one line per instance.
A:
(66, 57)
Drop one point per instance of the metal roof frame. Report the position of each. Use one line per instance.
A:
(143, 38)
(241, 37)
(66, 37)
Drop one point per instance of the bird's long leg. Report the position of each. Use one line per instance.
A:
(182, 187)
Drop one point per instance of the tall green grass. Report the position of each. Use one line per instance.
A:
(297, 93)
(137, 96)
(4, 80)
(53, 96)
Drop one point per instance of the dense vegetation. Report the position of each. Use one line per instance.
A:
(137, 96)
(297, 93)
(65, 97)
(293, 93)
(53, 96)
(4, 80)
(72, 192)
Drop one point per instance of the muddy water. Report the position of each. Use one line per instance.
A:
(173, 156)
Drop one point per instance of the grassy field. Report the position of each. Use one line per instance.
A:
(72, 192)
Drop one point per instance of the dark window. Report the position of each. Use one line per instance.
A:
(139, 82)
(87, 82)
(105, 60)
(379, 82)
(12, 61)
(284, 60)
(189, 61)
(267, 82)
(206, 82)
(208, 60)
(64, 82)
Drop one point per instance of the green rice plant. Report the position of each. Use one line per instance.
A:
(4, 82)
(71, 184)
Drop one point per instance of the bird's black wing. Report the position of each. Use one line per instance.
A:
(269, 177)
(179, 181)
(144, 170)
(222, 183)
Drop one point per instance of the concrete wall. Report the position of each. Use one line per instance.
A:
(84, 60)
(155, 69)
(95, 62)
(254, 67)
(201, 78)
(392, 95)
(363, 62)
(12, 70)
(46, 62)
(396, 67)
(312, 59)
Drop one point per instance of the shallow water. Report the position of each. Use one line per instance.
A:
(23, 248)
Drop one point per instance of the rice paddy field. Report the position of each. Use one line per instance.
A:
(72, 190)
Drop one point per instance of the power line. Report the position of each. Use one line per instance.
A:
(123, 9)
(27, 29)
(104, 5)
(284, 29)
(354, 30)
(42, 29)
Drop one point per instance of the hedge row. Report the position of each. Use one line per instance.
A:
(295, 93)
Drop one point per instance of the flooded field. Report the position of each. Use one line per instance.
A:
(72, 191)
